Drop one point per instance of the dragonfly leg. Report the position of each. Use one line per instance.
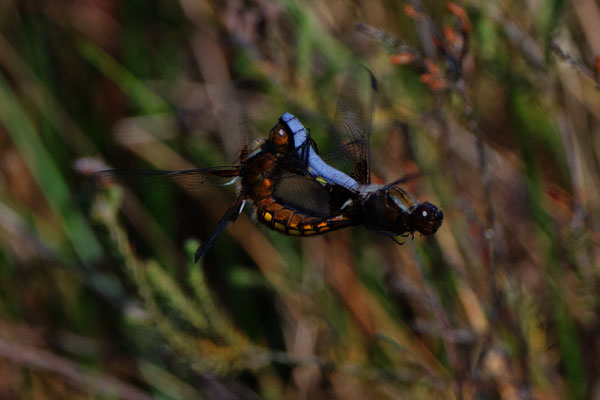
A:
(396, 240)
(228, 218)
(404, 235)
(303, 153)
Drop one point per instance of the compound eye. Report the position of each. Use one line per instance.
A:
(279, 135)
(427, 218)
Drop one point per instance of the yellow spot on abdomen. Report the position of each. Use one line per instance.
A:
(309, 232)
(268, 217)
(294, 232)
(279, 227)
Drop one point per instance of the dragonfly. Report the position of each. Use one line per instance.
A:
(342, 195)
(288, 149)
(295, 192)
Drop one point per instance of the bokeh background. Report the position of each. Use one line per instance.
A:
(495, 104)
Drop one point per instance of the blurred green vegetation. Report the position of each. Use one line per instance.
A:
(99, 297)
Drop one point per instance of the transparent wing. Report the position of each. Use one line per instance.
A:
(352, 122)
(187, 179)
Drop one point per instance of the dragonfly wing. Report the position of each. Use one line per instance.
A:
(228, 218)
(188, 179)
(352, 121)
(305, 194)
(306, 158)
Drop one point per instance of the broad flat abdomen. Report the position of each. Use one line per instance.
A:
(295, 223)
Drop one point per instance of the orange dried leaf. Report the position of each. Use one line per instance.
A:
(438, 84)
(457, 10)
(450, 35)
(431, 67)
(413, 13)
(426, 78)
(402, 58)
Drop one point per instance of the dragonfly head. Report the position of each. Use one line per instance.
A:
(426, 218)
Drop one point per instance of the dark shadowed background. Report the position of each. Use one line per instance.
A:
(497, 105)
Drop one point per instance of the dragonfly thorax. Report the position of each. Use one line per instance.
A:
(383, 214)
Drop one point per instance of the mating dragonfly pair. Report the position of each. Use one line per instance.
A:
(295, 192)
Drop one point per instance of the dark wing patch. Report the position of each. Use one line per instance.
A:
(303, 194)
(188, 179)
